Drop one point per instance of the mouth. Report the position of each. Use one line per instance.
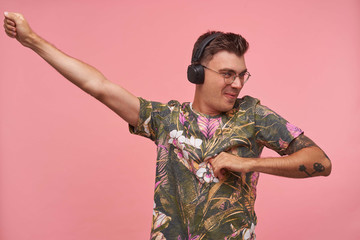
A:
(231, 95)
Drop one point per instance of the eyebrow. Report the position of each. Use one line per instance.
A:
(232, 70)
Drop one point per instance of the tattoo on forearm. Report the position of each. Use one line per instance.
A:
(318, 167)
(298, 143)
(303, 142)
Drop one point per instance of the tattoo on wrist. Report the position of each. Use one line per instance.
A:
(318, 167)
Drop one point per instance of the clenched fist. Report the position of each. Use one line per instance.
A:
(16, 26)
(228, 162)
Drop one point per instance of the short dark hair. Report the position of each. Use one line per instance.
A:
(230, 42)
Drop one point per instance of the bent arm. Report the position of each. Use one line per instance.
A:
(86, 77)
(304, 159)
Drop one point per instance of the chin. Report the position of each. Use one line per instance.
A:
(227, 107)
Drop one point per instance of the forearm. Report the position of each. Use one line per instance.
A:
(304, 159)
(307, 162)
(81, 74)
(89, 79)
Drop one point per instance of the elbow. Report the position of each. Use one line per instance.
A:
(328, 167)
(96, 89)
(323, 164)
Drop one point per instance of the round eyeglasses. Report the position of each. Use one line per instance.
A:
(230, 76)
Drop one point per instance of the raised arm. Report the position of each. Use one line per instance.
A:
(86, 77)
(304, 159)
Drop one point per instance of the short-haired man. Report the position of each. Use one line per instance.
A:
(208, 151)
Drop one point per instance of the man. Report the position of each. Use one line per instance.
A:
(208, 158)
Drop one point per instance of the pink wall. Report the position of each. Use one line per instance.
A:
(69, 167)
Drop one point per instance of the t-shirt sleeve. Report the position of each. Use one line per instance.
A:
(272, 130)
(151, 116)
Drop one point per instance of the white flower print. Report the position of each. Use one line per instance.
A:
(159, 218)
(177, 137)
(206, 174)
(146, 127)
(248, 232)
(175, 133)
(195, 142)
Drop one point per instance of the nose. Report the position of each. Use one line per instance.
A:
(237, 83)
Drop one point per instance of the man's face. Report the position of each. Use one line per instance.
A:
(214, 96)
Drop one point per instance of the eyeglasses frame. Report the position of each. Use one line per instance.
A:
(234, 77)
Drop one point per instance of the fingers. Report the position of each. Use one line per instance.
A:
(218, 171)
(9, 25)
(13, 16)
(222, 174)
(223, 171)
(10, 30)
(16, 26)
(9, 22)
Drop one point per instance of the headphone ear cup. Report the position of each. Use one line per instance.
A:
(195, 74)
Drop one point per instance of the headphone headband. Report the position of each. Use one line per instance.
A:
(199, 51)
(195, 71)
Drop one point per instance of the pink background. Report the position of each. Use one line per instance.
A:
(69, 167)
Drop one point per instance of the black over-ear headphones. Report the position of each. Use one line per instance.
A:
(195, 72)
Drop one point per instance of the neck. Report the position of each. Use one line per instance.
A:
(200, 106)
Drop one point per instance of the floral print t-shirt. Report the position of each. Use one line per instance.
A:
(190, 203)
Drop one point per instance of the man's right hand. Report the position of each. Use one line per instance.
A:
(16, 26)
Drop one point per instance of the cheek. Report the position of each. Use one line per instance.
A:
(214, 93)
(214, 87)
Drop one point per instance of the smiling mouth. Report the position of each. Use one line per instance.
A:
(232, 95)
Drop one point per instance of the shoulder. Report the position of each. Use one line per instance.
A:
(158, 106)
(248, 100)
(246, 103)
(174, 103)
